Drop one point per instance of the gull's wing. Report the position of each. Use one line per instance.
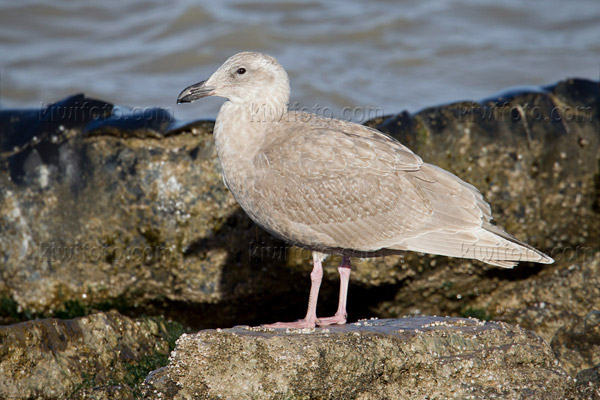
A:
(359, 187)
(331, 184)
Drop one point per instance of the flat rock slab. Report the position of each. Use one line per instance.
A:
(376, 359)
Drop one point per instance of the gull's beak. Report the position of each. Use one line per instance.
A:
(195, 92)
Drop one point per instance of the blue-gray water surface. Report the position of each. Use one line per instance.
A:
(349, 58)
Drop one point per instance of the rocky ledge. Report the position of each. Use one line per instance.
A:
(417, 357)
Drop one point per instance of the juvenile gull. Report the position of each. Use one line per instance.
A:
(337, 187)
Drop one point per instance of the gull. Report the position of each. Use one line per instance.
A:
(337, 187)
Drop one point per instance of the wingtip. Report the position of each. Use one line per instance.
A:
(540, 258)
(547, 260)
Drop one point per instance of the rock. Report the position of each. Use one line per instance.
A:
(588, 383)
(549, 300)
(104, 208)
(577, 344)
(51, 358)
(561, 305)
(419, 357)
(111, 392)
(118, 211)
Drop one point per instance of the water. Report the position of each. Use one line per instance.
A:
(343, 57)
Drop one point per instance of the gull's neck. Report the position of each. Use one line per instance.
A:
(241, 130)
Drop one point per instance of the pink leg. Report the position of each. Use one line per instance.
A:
(311, 314)
(340, 315)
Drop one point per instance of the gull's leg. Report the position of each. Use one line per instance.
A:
(311, 314)
(340, 315)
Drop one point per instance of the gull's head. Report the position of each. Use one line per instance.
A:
(245, 78)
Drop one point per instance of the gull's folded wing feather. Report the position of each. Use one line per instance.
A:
(340, 185)
(357, 188)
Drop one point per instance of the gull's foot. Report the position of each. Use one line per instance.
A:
(300, 324)
(337, 319)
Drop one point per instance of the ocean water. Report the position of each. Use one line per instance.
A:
(351, 59)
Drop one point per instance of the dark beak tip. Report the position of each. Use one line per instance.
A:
(194, 92)
(185, 97)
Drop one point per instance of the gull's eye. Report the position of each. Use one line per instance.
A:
(241, 71)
